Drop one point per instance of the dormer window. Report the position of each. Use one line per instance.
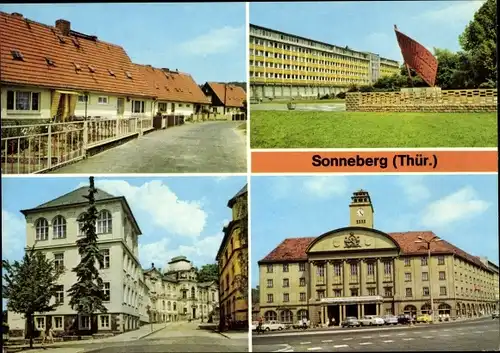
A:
(91, 69)
(77, 67)
(75, 42)
(111, 73)
(17, 55)
(50, 62)
(128, 74)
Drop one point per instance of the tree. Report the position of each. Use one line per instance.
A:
(87, 292)
(29, 286)
(480, 40)
(255, 295)
(208, 273)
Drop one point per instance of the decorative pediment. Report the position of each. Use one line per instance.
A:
(352, 241)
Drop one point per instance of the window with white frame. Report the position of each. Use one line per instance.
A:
(137, 106)
(162, 107)
(59, 289)
(104, 321)
(83, 99)
(59, 261)
(59, 227)
(106, 259)
(104, 222)
(80, 225)
(58, 323)
(42, 229)
(102, 100)
(23, 101)
(84, 322)
(107, 291)
(40, 323)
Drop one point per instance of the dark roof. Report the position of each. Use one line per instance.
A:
(75, 197)
(294, 249)
(177, 259)
(68, 60)
(240, 193)
(206, 284)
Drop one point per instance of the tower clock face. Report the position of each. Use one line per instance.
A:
(360, 212)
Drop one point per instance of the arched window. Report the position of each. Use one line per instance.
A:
(42, 229)
(59, 227)
(169, 306)
(286, 316)
(80, 232)
(192, 293)
(425, 309)
(410, 310)
(302, 314)
(163, 305)
(270, 315)
(104, 222)
(175, 306)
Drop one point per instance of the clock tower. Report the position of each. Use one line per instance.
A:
(361, 210)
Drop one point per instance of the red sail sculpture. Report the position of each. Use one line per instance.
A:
(417, 57)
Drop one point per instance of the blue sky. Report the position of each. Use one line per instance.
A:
(177, 215)
(462, 209)
(368, 25)
(205, 40)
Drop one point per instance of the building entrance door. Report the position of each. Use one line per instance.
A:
(120, 107)
(333, 315)
(352, 310)
(194, 313)
(370, 309)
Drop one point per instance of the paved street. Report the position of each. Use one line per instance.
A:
(482, 334)
(208, 147)
(318, 107)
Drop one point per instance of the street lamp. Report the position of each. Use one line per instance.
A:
(428, 242)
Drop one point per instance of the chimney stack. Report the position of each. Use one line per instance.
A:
(64, 26)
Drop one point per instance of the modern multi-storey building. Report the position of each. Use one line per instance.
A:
(285, 65)
(134, 296)
(359, 270)
(232, 258)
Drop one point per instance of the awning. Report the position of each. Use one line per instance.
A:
(70, 92)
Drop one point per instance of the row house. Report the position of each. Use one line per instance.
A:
(225, 98)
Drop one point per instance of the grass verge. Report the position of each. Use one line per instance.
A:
(296, 129)
(305, 101)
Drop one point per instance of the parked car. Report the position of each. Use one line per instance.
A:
(350, 321)
(300, 324)
(424, 318)
(390, 319)
(273, 326)
(404, 319)
(371, 320)
(495, 315)
(254, 325)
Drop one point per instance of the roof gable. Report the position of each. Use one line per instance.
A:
(230, 95)
(75, 61)
(75, 197)
(172, 86)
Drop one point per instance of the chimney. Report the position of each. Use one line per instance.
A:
(17, 14)
(64, 26)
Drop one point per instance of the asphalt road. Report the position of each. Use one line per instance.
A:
(182, 337)
(482, 334)
(308, 107)
(209, 147)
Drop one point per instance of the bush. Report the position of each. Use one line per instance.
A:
(341, 95)
(353, 88)
(366, 89)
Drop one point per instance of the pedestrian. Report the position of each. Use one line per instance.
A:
(304, 323)
(42, 335)
(51, 335)
(259, 326)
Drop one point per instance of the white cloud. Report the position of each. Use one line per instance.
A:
(457, 12)
(326, 186)
(216, 41)
(221, 178)
(13, 236)
(414, 188)
(461, 205)
(180, 217)
(281, 187)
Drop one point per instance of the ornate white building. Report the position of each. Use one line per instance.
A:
(135, 296)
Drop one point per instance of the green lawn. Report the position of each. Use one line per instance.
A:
(306, 101)
(294, 129)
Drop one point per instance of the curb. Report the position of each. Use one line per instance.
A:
(223, 335)
(150, 333)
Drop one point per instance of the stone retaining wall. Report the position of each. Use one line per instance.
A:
(425, 100)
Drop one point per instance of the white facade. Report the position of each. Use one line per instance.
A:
(177, 108)
(110, 106)
(25, 109)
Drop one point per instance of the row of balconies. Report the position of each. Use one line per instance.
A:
(329, 63)
(305, 55)
(304, 82)
(364, 73)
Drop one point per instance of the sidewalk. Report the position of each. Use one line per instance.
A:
(235, 335)
(59, 347)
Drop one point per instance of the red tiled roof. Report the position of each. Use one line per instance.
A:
(172, 86)
(234, 95)
(80, 62)
(294, 249)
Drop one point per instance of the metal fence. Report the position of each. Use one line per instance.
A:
(36, 148)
